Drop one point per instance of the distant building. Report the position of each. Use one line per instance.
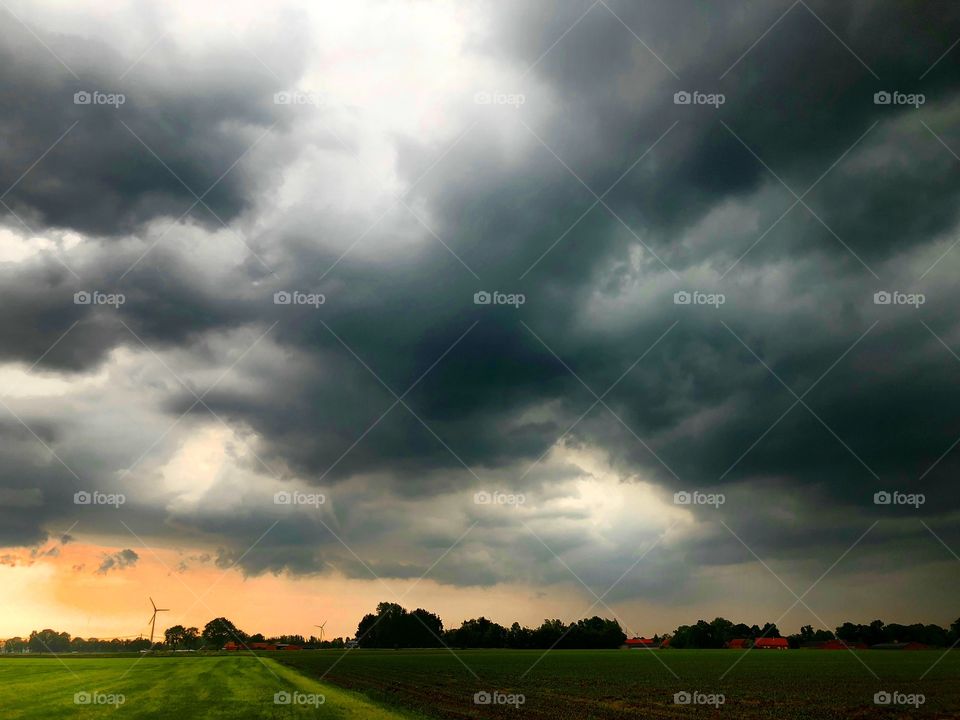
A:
(771, 644)
(641, 643)
(737, 644)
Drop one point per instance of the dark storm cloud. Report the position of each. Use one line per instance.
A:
(108, 168)
(705, 409)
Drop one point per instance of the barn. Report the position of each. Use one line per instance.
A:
(771, 644)
(641, 643)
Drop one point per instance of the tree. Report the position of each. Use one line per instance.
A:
(219, 631)
(478, 633)
(519, 637)
(15, 645)
(595, 632)
(392, 626)
(48, 640)
(182, 638)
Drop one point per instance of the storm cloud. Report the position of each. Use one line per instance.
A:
(752, 297)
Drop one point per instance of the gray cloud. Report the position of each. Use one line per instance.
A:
(120, 560)
(706, 407)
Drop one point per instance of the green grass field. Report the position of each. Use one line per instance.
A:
(385, 684)
(171, 687)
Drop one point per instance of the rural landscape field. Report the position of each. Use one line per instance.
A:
(383, 685)
(466, 359)
(614, 684)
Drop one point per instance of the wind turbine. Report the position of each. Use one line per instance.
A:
(153, 619)
(321, 629)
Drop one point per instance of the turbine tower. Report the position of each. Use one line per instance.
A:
(153, 618)
(321, 629)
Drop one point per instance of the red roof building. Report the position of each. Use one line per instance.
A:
(641, 643)
(737, 644)
(771, 644)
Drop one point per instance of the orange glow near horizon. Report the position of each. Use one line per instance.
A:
(66, 593)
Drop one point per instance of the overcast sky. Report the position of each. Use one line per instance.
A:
(246, 250)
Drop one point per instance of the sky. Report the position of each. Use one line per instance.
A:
(524, 310)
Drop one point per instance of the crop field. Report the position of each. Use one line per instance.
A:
(222, 687)
(390, 685)
(620, 684)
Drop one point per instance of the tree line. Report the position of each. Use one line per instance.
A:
(214, 636)
(392, 626)
(720, 631)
